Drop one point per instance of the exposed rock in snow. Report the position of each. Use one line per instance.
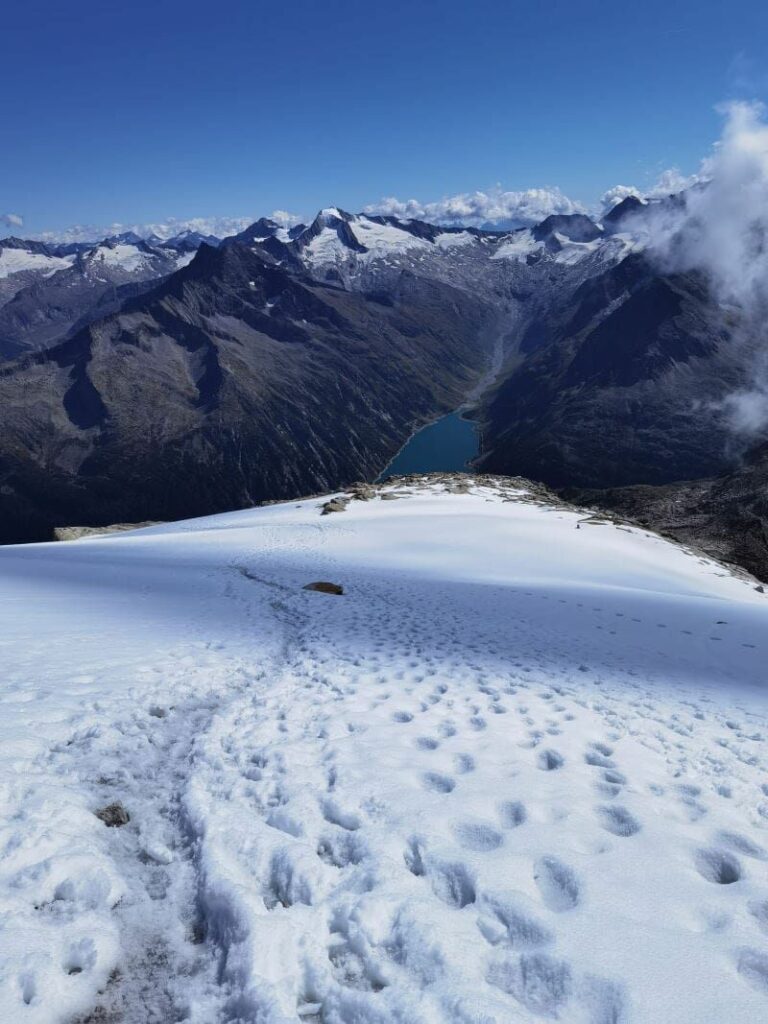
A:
(113, 815)
(324, 587)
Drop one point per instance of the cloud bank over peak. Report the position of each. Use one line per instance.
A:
(721, 230)
(669, 182)
(494, 208)
(221, 227)
(503, 210)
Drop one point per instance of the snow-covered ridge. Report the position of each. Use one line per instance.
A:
(334, 236)
(110, 258)
(514, 773)
(128, 257)
(339, 238)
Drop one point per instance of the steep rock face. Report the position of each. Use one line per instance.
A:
(27, 245)
(576, 226)
(233, 381)
(619, 385)
(616, 217)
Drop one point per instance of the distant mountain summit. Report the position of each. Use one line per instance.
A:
(47, 296)
(575, 226)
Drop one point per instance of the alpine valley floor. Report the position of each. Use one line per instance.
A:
(515, 773)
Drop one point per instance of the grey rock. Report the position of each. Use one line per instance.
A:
(66, 533)
(335, 505)
(114, 815)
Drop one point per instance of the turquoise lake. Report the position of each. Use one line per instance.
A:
(444, 446)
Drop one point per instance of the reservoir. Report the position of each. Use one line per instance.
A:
(445, 446)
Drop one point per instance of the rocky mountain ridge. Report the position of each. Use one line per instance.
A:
(49, 291)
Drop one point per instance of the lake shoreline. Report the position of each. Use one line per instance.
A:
(461, 413)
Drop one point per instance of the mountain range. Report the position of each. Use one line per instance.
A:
(145, 379)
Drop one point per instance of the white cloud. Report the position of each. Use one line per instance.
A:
(668, 183)
(617, 195)
(285, 219)
(673, 181)
(721, 230)
(11, 220)
(219, 226)
(475, 209)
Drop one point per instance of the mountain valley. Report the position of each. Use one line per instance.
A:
(155, 381)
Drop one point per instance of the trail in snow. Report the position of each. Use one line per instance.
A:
(515, 773)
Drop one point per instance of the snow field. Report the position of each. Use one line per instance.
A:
(14, 261)
(515, 773)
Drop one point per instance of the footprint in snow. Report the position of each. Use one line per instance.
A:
(512, 813)
(598, 760)
(80, 957)
(718, 866)
(759, 910)
(335, 815)
(452, 883)
(479, 836)
(341, 849)
(437, 782)
(742, 844)
(618, 821)
(539, 982)
(557, 882)
(464, 763)
(752, 965)
(550, 760)
(504, 923)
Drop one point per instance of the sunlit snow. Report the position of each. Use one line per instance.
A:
(515, 773)
(13, 261)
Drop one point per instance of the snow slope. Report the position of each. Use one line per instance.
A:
(17, 261)
(380, 240)
(515, 773)
(133, 261)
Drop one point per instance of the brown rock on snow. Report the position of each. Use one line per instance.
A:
(324, 587)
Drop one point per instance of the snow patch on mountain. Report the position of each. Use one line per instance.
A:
(126, 257)
(381, 239)
(455, 239)
(518, 246)
(336, 236)
(117, 261)
(16, 261)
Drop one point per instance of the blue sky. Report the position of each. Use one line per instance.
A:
(141, 111)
